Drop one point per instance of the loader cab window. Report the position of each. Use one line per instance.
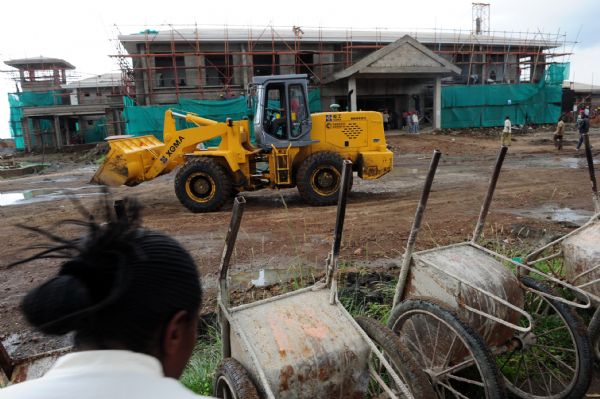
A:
(275, 116)
(298, 111)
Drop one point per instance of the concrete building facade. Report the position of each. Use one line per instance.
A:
(384, 69)
(54, 112)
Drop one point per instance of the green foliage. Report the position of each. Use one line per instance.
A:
(370, 294)
(200, 370)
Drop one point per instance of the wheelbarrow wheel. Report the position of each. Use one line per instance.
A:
(400, 359)
(553, 360)
(232, 381)
(594, 333)
(453, 356)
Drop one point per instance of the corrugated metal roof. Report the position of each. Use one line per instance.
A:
(267, 34)
(103, 80)
(581, 87)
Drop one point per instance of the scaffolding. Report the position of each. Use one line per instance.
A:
(223, 59)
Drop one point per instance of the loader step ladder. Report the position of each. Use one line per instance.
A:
(282, 165)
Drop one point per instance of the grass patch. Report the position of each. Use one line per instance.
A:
(199, 373)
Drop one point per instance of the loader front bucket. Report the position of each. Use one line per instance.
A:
(127, 160)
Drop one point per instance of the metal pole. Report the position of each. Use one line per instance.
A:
(234, 226)
(232, 232)
(590, 162)
(416, 226)
(339, 220)
(490, 194)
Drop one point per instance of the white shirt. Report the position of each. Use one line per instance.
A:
(102, 374)
(415, 118)
(507, 126)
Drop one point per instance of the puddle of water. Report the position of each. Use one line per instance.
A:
(47, 194)
(557, 214)
(267, 277)
(552, 162)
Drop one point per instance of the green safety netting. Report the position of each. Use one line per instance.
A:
(96, 132)
(488, 105)
(17, 101)
(141, 120)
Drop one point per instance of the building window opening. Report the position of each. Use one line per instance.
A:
(218, 70)
(168, 75)
(305, 63)
(265, 64)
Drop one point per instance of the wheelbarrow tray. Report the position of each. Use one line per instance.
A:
(307, 347)
(463, 274)
(581, 253)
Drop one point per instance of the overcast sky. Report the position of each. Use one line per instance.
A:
(81, 31)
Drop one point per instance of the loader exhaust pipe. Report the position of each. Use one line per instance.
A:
(590, 163)
(485, 207)
(416, 226)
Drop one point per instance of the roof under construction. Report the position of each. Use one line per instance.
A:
(310, 35)
(39, 63)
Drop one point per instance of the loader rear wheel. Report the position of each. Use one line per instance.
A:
(202, 185)
(319, 178)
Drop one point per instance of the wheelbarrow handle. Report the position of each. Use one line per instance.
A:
(234, 226)
(485, 207)
(590, 162)
(339, 220)
(416, 226)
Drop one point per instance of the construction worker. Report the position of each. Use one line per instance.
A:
(558, 134)
(131, 296)
(584, 128)
(415, 122)
(386, 120)
(506, 132)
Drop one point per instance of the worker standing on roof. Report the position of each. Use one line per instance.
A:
(505, 137)
(132, 297)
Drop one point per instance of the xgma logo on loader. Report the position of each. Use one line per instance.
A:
(172, 149)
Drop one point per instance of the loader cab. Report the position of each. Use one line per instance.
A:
(282, 115)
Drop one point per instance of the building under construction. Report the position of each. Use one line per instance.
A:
(451, 78)
(381, 69)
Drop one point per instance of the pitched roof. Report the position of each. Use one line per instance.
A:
(405, 56)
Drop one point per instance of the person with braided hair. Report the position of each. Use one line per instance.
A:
(131, 296)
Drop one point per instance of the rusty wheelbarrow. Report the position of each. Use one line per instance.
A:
(478, 327)
(575, 257)
(304, 344)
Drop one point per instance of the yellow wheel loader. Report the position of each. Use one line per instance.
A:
(293, 149)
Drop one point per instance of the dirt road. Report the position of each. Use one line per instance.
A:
(282, 233)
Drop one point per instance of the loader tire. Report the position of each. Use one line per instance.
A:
(202, 185)
(319, 178)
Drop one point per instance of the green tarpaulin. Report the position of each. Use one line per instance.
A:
(488, 105)
(17, 101)
(141, 120)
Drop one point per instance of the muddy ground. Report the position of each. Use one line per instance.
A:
(541, 192)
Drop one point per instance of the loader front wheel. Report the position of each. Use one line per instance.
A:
(202, 185)
(319, 178)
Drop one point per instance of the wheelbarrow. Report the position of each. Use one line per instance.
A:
(477, 326)
(304, 344)
(575, 257)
